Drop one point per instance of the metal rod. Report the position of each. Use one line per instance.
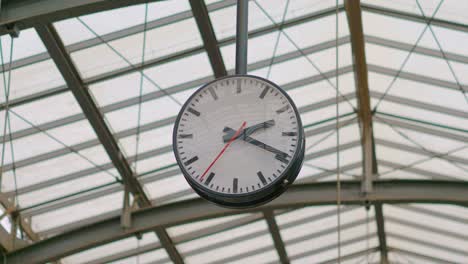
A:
(242, 36)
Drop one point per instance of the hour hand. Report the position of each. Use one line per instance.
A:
(280, 155)
(247, 131)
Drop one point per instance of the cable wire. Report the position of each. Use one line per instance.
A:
(452, 71)
(137, 139)
(129, 62)
(304, 54)
(337, 122)
(407, 57)
(277, 41)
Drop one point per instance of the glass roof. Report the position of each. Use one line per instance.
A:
(141, 62)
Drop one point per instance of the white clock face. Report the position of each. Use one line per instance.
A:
(237, 135)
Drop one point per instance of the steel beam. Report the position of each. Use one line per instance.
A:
(417, 78)
(275, 234)
(330, 247)
(414, 17)
(428, 244)
(116, 187)
(433, 213)
(417, 50)
(158, 61)
(394, 191)
(353, 13)
(146, 127)
(380, 118)
(351, 256)
(54, 45)
(429, 174)
(29, 13)
(56, 49)
(369, 165)
(65, 228)
(420, 151)
(419, 104)
(200, 12)
(417, 255)
(195, 83)
(426, 228)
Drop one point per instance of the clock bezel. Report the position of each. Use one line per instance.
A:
(257, 197)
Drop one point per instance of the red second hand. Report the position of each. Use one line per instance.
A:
(223, 150)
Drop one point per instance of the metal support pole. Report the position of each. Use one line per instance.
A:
(242, 36)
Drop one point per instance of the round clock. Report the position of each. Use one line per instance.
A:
(239, 141)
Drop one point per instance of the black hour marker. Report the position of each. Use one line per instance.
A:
(262, 179)
(193, 111)
(210, 177)
(289, 134)
(281, 158)
(262, 95)
(234, 185)
(185, 135)
(239, 86)
(190, 161)
(213, 93)
(283, 109)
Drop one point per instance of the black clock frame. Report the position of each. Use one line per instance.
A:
(258, 197)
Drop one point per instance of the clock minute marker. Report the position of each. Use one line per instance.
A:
(235, 182)
(289, 134)
(262, 95)
(262, 178)
(282, 109)
(185, 135)
(193, 111)
(213, 93)
(190, 161)
(210, 177)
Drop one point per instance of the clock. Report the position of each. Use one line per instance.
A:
(239, 141)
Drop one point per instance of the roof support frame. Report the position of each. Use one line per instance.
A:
(29, 13)
(159, 61)
(92, 220)
(428, 174)
(370, 167)
(62, 59)
(275, 234)
(109, 189)
(413, 17)
(380, 118)
(200, 12)
(395, 191)
(417, 255)
(185, 86)
(428, 244)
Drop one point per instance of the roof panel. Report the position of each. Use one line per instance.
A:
(61, 190)
(219, 246)
(26, 45)
(156, 256)
(57, 167)
(122, 52)
(77, 212)
(31, 79)
(111, 248)
(396, 28)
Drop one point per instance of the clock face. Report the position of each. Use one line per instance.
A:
(237, 139)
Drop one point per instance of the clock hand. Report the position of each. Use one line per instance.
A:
(280, 155)
(249, 130)
(224, 149)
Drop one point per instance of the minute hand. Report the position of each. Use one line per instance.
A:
(249, 130)
(280, 155)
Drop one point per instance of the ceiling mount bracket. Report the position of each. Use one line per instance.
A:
(13, 30)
